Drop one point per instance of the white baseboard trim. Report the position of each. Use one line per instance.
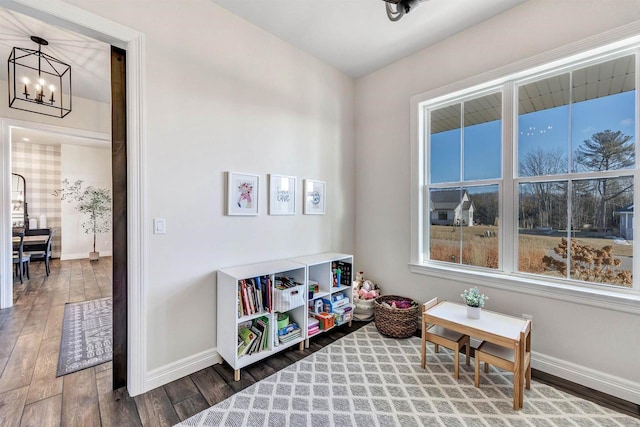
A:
(609, 384)
(180, 368)
(64, 257)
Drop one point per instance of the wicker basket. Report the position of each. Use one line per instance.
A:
(396, 322)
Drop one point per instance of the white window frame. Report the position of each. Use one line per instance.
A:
(624, 40)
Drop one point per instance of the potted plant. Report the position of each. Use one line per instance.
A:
(474, 300)
(96, 202)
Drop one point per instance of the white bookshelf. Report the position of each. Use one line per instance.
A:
(318, 267)
(229, 319)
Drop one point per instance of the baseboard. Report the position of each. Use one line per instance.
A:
(180, 368)
(65, 257)
(609, 384)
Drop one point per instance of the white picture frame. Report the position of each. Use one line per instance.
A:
(282, 194)
(314, 197)
(242, 193)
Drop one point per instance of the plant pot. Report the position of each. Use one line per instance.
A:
(473, 312)
(94, 256)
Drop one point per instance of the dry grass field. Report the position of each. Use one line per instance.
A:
(480, 246)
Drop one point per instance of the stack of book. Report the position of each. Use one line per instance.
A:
(254, 296)
(289, 333)
(314, 326)
(253, 336)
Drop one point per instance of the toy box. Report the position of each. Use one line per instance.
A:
(343, 314)
(326, 320)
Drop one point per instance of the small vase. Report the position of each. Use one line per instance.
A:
(473, 312)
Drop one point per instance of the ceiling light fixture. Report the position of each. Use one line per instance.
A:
(39, 82)
(396, 9)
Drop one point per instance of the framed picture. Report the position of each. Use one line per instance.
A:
(282, 195)
(314, 197)
(242, 194)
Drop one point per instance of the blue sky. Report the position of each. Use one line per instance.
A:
(546, 129)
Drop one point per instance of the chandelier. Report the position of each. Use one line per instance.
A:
(39, 82)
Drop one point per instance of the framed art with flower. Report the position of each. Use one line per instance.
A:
(314, 197)
(282, 195)
(242, 193)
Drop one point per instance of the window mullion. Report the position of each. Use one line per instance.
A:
(508, 192)
(460, 228)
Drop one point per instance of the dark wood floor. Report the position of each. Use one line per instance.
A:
(31, 395)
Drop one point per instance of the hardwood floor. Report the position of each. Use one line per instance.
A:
(31, 395)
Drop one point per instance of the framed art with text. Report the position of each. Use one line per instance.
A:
(242, 194)
(314, 197)
(282, 195)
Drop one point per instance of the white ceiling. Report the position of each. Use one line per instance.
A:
(89, 59)
(355, 36)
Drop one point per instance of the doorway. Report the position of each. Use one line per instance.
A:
(78, 20)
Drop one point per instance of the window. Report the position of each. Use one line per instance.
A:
(464, 168)
(558, 162)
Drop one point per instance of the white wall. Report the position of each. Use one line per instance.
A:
(223, 95)
(92, 166)
(86, 114)
(600, 342)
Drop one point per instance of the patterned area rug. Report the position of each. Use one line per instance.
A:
(365, 379)
(86, 335)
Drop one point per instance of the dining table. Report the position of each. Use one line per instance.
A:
(31, 243)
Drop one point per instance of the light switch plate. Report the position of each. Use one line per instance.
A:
(159, 226)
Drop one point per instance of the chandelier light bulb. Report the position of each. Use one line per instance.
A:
(26, 89)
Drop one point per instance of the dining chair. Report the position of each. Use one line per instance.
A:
(45, 253)
(504, 358)
(440, 336)
(21, 259)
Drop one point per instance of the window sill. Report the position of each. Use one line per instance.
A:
(624, 300)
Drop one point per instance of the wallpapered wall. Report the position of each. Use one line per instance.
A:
(40, 166)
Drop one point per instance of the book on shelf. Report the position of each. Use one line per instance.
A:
(246, 339)
(256, 346)
(265, 288)
(242, 286)
(262, 323)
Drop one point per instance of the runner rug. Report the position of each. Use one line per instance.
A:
(86, 335)
(365, 379)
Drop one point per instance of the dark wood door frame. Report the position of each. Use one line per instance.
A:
(119, 189)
